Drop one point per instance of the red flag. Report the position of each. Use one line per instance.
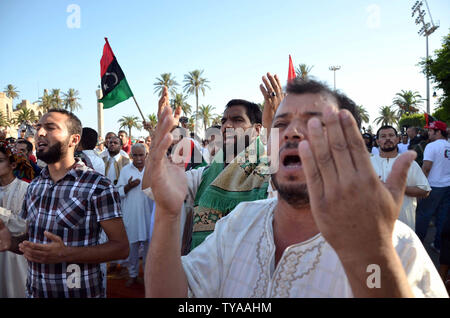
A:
(291, 72)
(428, 119)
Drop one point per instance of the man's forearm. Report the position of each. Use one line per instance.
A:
(106, 252)
(378, 275)
(164, 273)
(416, 192)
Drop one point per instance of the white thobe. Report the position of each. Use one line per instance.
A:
(13, 267)
(238, 260)
(97, 162)
(137, 208)
(416, 178)
(402, 147)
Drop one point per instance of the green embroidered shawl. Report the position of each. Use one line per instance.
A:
(222, 189)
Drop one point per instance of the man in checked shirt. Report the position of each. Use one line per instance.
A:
(65, 208)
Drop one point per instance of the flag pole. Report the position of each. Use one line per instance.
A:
(143, 118)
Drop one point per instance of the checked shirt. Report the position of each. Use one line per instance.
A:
(72, 209)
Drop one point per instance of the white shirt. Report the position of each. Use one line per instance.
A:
(375, 151)
(238, 260)
(112, 172)
(438, 152)
(402, 147)
(415, 178)
(137, 208)
(97, 162)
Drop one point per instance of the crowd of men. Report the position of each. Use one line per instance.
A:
(291, 201)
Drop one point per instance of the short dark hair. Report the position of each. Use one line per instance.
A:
(26, 142)
(252, 110)
(386, 127)
(122, 131)
(89, 138)
(300, 86)
(74, 123)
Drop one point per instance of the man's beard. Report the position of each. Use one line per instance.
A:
(296, 195)
(388, 149)
(53, 154)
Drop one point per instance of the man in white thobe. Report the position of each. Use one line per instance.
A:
(137, 209)
(114, 162)
(332, 226)
(417, 185)
(87, 145)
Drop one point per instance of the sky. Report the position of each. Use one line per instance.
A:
(58, 44)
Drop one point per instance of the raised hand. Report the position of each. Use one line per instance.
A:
(5, 237)
(273, 95)
(353, 210)
(167, 180)
(164, 103)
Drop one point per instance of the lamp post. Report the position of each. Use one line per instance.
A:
(426, 30)
(334, 69)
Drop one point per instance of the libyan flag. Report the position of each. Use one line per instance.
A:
(115, 87)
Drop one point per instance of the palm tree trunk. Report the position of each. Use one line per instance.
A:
(129, 133)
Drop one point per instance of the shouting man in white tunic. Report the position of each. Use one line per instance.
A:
(331, 232)
(137, 209)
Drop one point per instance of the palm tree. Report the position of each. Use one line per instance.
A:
(205, 114)
(194, 82)
(363, 113)
(217, 120)
(407, 102)
(180, 101)
(165, 80)
(4, 122)
(71, 100)
(11, 91)
(191, 123)
(129, 122)
(152, 120)
(303, 70)
(388, 116)
(24, 115)
(45, 101)
(57, 101)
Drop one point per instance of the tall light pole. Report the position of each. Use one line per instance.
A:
(426, 30)
(334, 69)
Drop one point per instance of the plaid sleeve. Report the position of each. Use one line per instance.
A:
(24, 212)
(106, 202)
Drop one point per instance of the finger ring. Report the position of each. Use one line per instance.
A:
(273, 94)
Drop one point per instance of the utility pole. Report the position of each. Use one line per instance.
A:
(426, 30)
(334, 69)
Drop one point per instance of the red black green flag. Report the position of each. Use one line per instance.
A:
(428, 119)
(114, 84)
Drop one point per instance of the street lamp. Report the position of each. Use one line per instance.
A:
(426, 30)
(334, 69)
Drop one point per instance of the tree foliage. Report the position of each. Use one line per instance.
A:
(438, 69)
